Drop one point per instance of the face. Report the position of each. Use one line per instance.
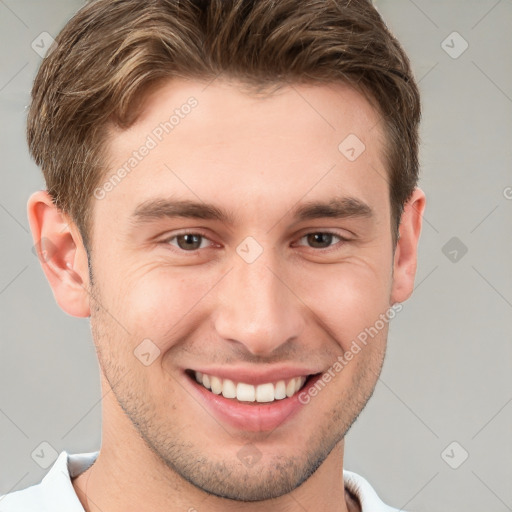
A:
(235, 261)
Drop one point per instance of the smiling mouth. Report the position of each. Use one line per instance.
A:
(248, 393)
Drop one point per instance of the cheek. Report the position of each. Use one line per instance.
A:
(348, 297)
(159, 302)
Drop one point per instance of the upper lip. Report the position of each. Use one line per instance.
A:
(255, 376)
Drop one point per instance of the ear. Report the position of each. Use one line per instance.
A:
(59, 246)
(406, 252)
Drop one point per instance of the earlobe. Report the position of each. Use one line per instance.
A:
(406, 253)
(61, 252)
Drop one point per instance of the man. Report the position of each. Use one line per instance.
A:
(232, 199)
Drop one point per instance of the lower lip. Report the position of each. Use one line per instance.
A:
(254, 417)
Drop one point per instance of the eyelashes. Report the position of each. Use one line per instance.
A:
(192, 241)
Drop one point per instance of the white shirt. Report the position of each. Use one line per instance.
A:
(55, 493)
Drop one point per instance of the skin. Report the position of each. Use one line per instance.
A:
(297, 304)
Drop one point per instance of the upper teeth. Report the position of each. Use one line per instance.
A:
(267, 392)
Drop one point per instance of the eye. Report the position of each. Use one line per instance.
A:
(188, 241)
(321, 239)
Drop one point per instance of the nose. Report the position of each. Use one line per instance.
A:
(257, 307)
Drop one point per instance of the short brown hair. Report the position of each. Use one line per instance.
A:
(112, 51)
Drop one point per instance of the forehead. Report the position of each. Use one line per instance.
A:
(218, 143)
(314, 110)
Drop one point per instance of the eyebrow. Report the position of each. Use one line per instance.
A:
(336, 208)
(155, 209)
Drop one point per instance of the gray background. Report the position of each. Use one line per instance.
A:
(447, 376)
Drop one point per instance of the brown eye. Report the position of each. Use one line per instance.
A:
(188, 241)
(320, 240)
(191, 242)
